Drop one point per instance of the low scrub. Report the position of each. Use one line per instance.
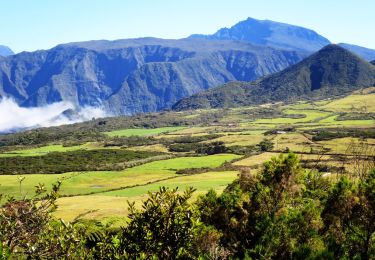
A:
(81, 160)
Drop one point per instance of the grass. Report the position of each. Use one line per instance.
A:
(150, 148)
(255, 160)
(114, 188)
(310, 115)
(202, 182)
(353, 103)
(241, 140)
(114, 203)
(39, 151)
(293, 141)
(143, 131)
(341, 145)
(99, 181)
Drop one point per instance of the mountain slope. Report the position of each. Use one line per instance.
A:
(331, 71)
(365, 53)
(5, 51)
(136, 75)
(373, 62)
(270, 33)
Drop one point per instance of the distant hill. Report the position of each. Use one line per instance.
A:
(270, 33)
(366, 53)
(331, 71)
(373, 62)
(5, 51)
(135, 75)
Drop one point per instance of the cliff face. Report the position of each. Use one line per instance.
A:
(131, 76)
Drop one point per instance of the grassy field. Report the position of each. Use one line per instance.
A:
(310, 115)
(76, 183)
(104, 194)
(353, 103)
(255, 161)
(114, 204)
(240, 139)
(143, 131)
(44, 150)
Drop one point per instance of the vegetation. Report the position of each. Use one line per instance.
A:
(142, 131)
(332, 71)
(329, 134)
(80, 160)
(314, 204)
(284, 212)
(266, 145)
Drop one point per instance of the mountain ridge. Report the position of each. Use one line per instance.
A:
(366, 53)
(270, 33)
(331, 71)
(133, 76)
(280, 35)
(148, 74)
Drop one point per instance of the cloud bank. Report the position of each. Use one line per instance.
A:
(13, 117)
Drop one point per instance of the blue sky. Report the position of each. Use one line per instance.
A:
(41, 24)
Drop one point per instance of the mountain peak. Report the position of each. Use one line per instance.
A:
(331, 71)
(5, 51)
(332, 47)
(270, 33)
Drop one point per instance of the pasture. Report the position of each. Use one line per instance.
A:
(103, 194)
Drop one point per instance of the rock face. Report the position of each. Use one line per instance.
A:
(331, 71)
(5, 51)
(365, 53)
(132, 76)
(270, 33)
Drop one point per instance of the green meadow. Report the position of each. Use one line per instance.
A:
(103, 194)
(143, 131)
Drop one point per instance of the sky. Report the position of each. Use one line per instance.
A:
(28, 25)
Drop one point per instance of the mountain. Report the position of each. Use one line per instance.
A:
(135, 75)
(331, 71)
(5, 51)
(270, 33)
(280, 35)
(367, 54)
(373, 62)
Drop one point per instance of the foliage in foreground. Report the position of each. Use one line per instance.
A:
(284, 212)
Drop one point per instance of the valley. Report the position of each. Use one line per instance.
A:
(256, 141)
(326, 135)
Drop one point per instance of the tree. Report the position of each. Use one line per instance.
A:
(265, 145)
(349, 217)
(212, 148)
(28, 230)
(163, 228)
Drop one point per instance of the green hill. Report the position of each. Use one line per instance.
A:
(332, 71)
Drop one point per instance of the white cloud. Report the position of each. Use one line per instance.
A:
(12, 116)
